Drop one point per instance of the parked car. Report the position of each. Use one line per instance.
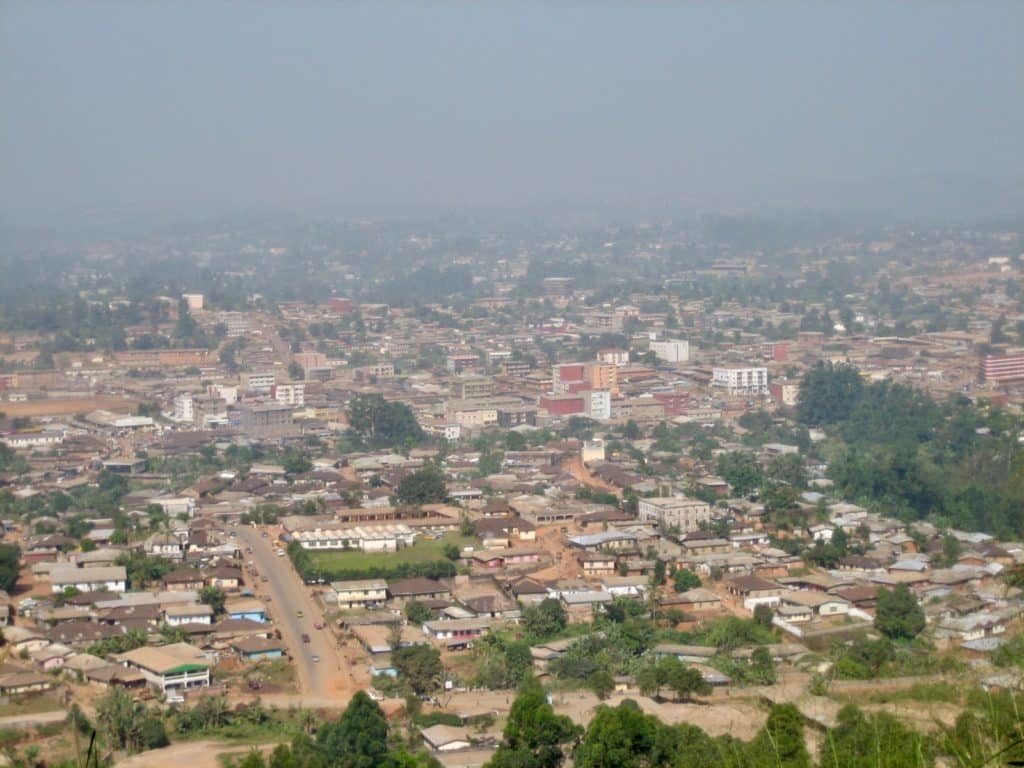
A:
(305, 637)
(316, 659)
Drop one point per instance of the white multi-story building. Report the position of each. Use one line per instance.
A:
(741, 381)
(169, 667)
(360, 593)
(193, 300)
(671, 350)
(237, 323)
(292, 393)
(183, 410)
(617, 357)
(599, 404)
(259, 382)
(680, 512)
(229, 394)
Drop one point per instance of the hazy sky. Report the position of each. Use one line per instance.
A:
(708, 105)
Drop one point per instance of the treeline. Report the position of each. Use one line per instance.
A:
(625, 737)
(955, 463)
(311, 572)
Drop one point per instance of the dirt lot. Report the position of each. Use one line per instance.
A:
(194, 754)
(64, 406)
(740, 716)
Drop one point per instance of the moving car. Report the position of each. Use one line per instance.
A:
(299, 614)
(305, 637)
(316, 659)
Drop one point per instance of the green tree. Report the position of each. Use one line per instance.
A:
(828, 394)
(383, 423)
(213, 597)
(296, 372)
(788, 469)
(780, 744)
(416, 612)
(684, 579)
(124, 723)
(763, 614)
(425, 486)
(10, 563)
(296, 462)
(742, 471)
(685, 682)
(601, 683)
(620, 737)
(897, 613)
(358, 739)
(878, 740)
(534, 737)
(419, 666)
(545, 620)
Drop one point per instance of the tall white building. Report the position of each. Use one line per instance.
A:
(671, 350)
(599, 404)
(293, 393)
(741, 381)
(183, 410)
(193, 300)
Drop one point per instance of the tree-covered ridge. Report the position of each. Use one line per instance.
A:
(954, 462)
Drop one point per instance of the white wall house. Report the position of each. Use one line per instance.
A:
(101, 579)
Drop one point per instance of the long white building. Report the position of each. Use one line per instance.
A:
(389, 537)
(741, 381)
(672, 350)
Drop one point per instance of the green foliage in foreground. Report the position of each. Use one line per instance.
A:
(360, 738)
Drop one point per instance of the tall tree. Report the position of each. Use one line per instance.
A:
(425, 486)
(359, 738)
(898, 615)
(828, 394)
(780, 743)
(420, 666)
(546, 619)
(534, 737)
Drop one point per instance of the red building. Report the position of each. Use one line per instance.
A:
(778, 351)
(562, 405)
(999, 368)
(340, 306)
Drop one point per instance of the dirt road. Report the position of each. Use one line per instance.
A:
(574, 466)
(324, 673)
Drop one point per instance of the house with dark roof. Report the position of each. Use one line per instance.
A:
(754, 591)
(406, 590)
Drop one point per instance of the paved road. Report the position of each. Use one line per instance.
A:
(289, 595)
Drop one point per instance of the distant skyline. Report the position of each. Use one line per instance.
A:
(215, 106)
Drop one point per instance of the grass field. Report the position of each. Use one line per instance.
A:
(423, 551)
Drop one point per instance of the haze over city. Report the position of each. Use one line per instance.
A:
(913, 108)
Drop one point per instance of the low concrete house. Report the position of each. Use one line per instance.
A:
(445, 738)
